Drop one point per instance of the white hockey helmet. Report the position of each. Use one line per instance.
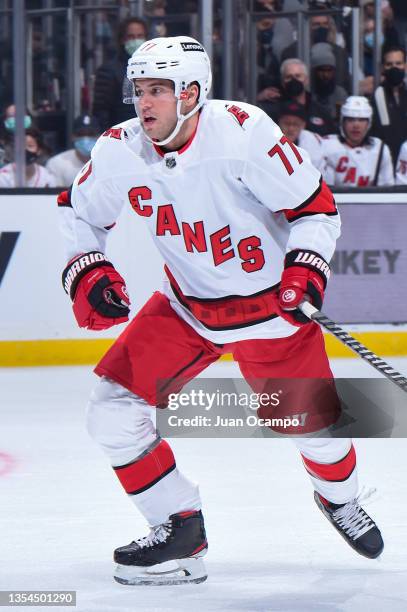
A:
(180, 59)
(356, 107)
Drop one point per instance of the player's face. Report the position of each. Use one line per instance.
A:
(291, 126)
(156, 107)
(355, 130)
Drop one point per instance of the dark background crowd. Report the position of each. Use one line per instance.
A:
(311, 93)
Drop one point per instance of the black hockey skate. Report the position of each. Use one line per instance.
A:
(170, 554)
(354, 525)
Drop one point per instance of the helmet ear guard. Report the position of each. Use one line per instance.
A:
(180, 59)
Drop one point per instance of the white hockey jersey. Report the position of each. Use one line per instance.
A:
(312, 144)
(356, 166)
(209, 207)
(41, 177)
(401, 166)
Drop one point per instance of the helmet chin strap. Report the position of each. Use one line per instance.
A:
(180, 120)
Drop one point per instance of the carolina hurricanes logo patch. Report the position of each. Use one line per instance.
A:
(239, 114)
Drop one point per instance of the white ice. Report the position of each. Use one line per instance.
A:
(62, 512)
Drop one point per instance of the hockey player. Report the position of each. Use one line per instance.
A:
(354, 158)
(246, 228)
(292, 121)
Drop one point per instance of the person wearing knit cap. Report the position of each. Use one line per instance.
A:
(325, 89)
(292, 121)
(322, 29)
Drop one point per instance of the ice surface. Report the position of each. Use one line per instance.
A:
(62, 512)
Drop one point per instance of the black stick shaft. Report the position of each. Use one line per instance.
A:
(357, 347)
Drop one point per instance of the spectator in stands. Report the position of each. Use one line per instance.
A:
(66, 165)
(368, 46)
(389, 38)
(390, 101)
(292, 121)
(8, 123)
(7, 129)
(8, 119)
(323, 30)
(294, 85)
(354, 158)
(399, 8)
(108, 105)
(274, 32)
(35, 174)
(154, 10)
(325, 90)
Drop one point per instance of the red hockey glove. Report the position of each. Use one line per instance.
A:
(98, 292)
(304, 278)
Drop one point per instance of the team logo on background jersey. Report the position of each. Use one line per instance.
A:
(192, 46)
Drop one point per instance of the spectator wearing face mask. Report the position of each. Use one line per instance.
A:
(273, 32)
(8, 126)
(294, 88)
(35, 174)
(325, 89)
(292, 122)
(108, 107)
(389, 37)
(66, 165)
(390, 101)
(323, 30)
(9, 119)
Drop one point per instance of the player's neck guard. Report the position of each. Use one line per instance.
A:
(180, 121)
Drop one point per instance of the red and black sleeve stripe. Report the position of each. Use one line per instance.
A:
(320, 202)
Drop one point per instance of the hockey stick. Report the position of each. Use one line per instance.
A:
(357, 347)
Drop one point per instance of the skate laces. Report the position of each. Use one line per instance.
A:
(352, 518)
(157, 535)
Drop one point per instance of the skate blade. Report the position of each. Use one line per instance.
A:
(179, 571)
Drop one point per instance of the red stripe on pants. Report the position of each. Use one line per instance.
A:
(341, 470)
(145, 472)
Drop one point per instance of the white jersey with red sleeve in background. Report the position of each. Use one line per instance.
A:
(356, 166)
(223, 210)
(401, 166)
(312, 143)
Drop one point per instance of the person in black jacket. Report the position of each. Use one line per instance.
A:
(390, 101)
(108, 107)
(399, 8)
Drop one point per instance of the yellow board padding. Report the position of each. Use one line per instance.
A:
(22, 353)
